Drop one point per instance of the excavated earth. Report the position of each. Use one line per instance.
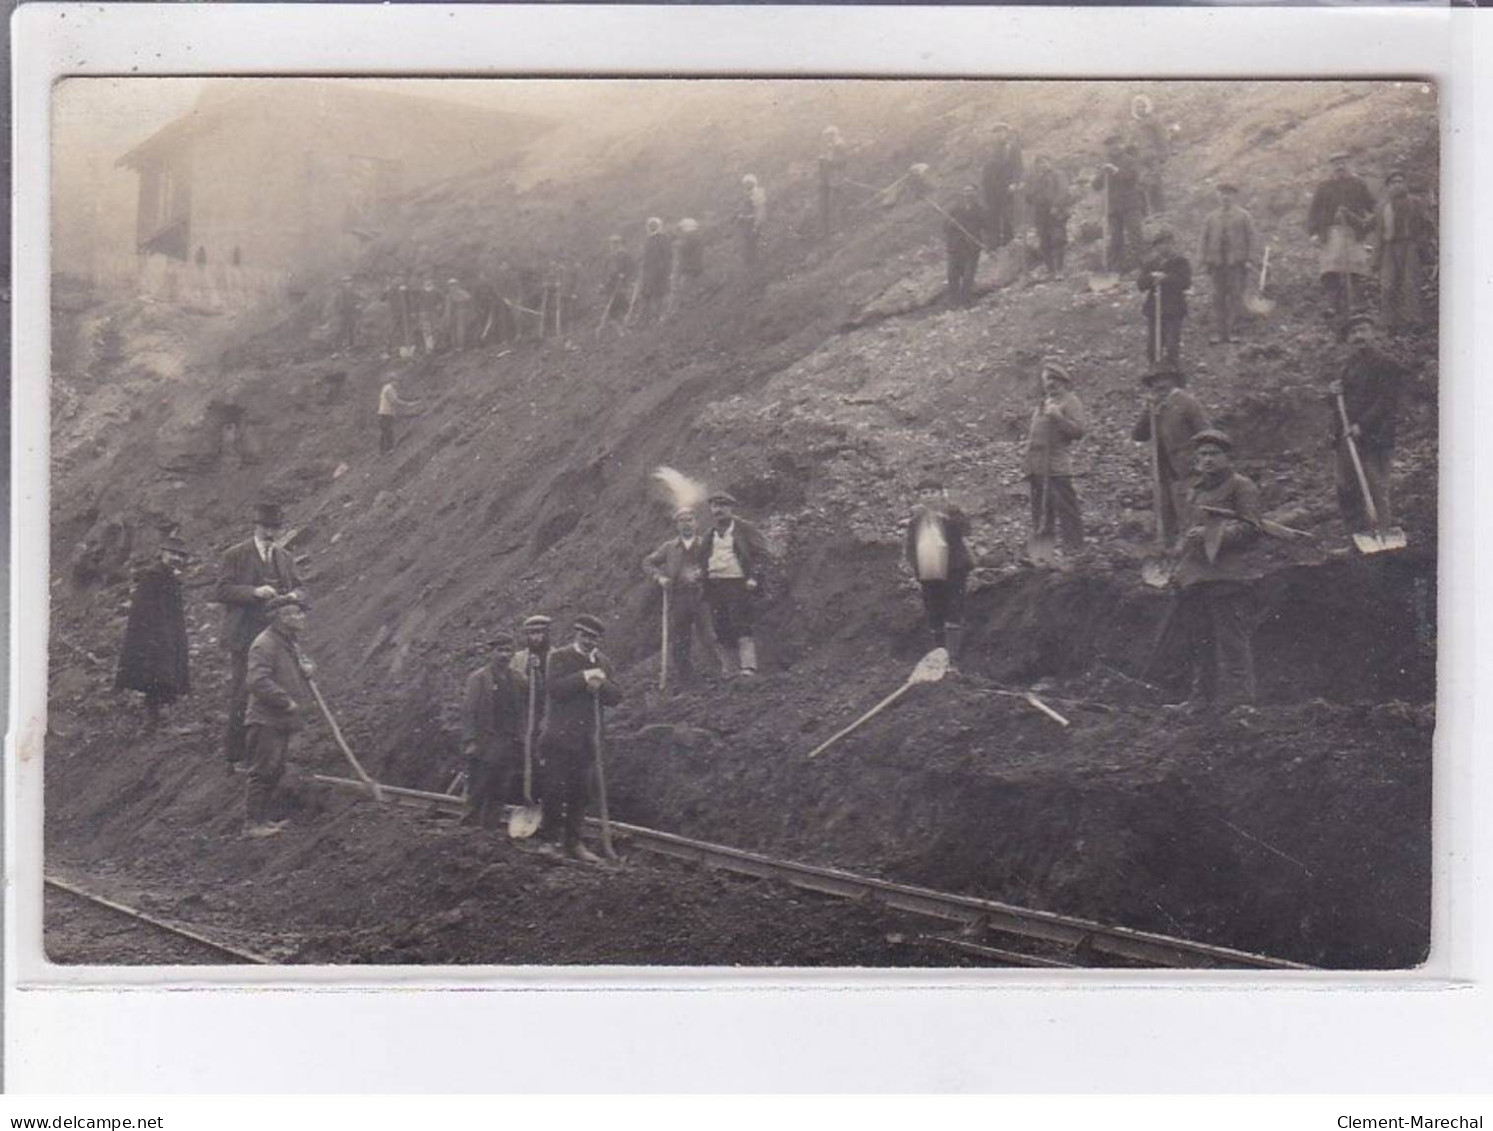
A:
(818, 389)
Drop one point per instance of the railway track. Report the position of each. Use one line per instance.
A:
(183, 939)
(1063, 940)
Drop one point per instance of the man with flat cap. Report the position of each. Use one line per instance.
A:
(940, 561)
(1369, 381)
(1124, 201)
(1339, 218)
(962, 226)
(279, 700)
(1166, 275)
(1177, 417)
(1228, 249)
(678, 568)
(1213, 610)
(154, 656)
(579, 687)
(253, 572)
(528, 666)
(1000, 176)
(1058, 423)
(492, 724)
(735, 563)
(1402, 237)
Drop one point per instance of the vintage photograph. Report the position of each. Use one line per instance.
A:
(742, 523)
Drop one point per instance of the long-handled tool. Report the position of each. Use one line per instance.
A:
(1107, 279)
(663, 654)
(1156, 571)
(606, 308)
(1382, 538)
(601, 781)
(1039, 544)
(525, 819)
(633, 302)
(1263, 525)
(378, 794)
(1257, 302)
(930, 669)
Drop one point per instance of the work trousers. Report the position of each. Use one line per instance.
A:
(1376, 463)
(1228, 297)
(494, 779)
(1124, 234)
(1344, 291)
(1399, 285)
(234, 739)
(1000, 225)
(1052, 238)
(1170, 346)
(828, 200)
(1215, 620)
(1061, 513)
(686, 620)
(1154, 192)
(731, 609)
(943, 603)
(385, 433)
(963, 263)
(1176, 508)
(267, 747)
(749, 241)
(566, 789)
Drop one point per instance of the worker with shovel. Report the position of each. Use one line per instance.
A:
(940, 561)
(1368, 389)
(1228, 247)
(280, 696)
(492, 721)
(579, 688)
(962, 226)
(1165, 277)
(1058, 423)
(1171, 418)
(1001, 173)
(1339, 218)
(1213, 610)
(735, 563)
(678, 567)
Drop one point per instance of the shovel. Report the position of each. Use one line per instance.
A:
(663, 652)
(524, 820)
(601, 783)
(930, 669)
(1107, 279)
(1156, 571)
(1257, 303)
(1263, 525)
(1381, 538)
(1039, 546)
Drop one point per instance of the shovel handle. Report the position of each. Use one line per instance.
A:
(1363, 482)
(663, 652)
(872, 713)
(352, 758)
(601, 783)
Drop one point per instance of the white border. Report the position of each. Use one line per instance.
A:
(1430, 1029)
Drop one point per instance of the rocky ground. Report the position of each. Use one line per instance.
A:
(818, 389)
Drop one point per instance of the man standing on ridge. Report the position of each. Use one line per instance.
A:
(962, 228)
(678, 566)
(1058, 423)
(492, 722)
(1166, 274)
(1369, 382)
(658, 255)
(1001, 174)
(154, 658)
(940, 561)
(1228, 249)
(279, 700)
(1179, 416)
(1340, 216)
(735, 556)
(253, 573)
(1047, 193)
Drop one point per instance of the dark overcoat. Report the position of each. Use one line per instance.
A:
(154, 655)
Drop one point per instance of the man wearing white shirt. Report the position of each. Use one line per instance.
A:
(735, 557)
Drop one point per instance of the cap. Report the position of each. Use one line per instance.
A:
(587, 623)
(1359, 319)
(682, 511)
(286, 601)
(1213, 437)
(723, 497)
(1396, 175)
(655, 224)
(175, 545)
(502, 640)
(539, 620)
(1161, 236)
(1141, 101)
(1228, 187)
(269, 514)
(1056, 368)
(1167, 373)
(749, 179)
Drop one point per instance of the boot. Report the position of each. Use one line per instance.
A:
(581, 853)
(748, 648)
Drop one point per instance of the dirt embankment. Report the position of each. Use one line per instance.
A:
(525, 487)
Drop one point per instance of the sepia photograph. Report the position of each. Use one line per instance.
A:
(883, 524)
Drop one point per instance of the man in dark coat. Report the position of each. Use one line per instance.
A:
(579, 686)
(1402, 232)
(735, 562)
(492, 724)
(1047, 193)
(1153, 145)
(1212, 592)
(279, 701)
(940, 561)
(1000, 176)
(1228, 248)
(1169, 274)
(1369, 381)
(621, 273)
(154, 656)
(658, 256)
(253, 572)
(1124, 202)
(962, 227)
(689, 263)
(1340, 216)
(1058, 423)
(1178, 417)
(528, 667)
(678, 567)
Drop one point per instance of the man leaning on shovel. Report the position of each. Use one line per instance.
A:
(1058, 423)
(279, 695)
(492, 721)
(1369, 384)
(579, 688)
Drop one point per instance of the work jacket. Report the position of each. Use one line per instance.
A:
(492, 714)
(1048, 192)
(751, 549)
(1002, 170)
(1228, 238)
(569, 706)
(279, 695)
(1121, 186)
(1233, 493)
(681, 566)
(1340, 200)
(1050, 439)
(1179, 418)
(1371, 394)
(952, 525)
(657, 256)
(243, 571)
(1173, 288)
(962, 229)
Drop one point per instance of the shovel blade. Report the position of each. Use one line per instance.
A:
(524, 822)
(1257, 305)
(1103, 281)
(931, 668)
(1156, 572)
(1378, 541)
(1041, 550)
